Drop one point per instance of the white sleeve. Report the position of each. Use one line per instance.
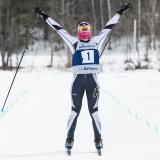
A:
(70, 40)
(100, 38)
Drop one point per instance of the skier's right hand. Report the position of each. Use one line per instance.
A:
(37, 10)
(41, 13)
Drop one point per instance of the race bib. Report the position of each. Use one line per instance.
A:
(86, 61)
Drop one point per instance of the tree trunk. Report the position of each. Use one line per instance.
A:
(68, 64)
(136, 48)
(139, 20)
(153, 40)
(52, 55)
(109, 17)
(146, 56)
(101, 13)
(5, 59)
(109, 9)
(94, 17)
(63, 12)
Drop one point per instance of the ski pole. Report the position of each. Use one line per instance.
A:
(108, 40)
(126, 5)
(26, 47)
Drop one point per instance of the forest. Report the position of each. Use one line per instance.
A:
(139, 24)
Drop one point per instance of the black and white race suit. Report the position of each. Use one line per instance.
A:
(85, 64)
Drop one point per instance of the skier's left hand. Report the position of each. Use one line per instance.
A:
(123, 8)
(41, 13)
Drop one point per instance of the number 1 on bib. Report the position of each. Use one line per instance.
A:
(88, 56)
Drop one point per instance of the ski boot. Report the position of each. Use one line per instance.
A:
(99, 145)
(69, 145)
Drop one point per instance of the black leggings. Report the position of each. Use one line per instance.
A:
(82, 83)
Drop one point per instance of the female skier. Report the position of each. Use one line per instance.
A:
(85, 63)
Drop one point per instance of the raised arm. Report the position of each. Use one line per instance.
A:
(101, 37)
(70, 40)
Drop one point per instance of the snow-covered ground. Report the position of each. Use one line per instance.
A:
(33, 126)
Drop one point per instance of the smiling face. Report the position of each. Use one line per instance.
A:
(84, 31)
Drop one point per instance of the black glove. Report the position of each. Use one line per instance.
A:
(123, 8)
(41, 13)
